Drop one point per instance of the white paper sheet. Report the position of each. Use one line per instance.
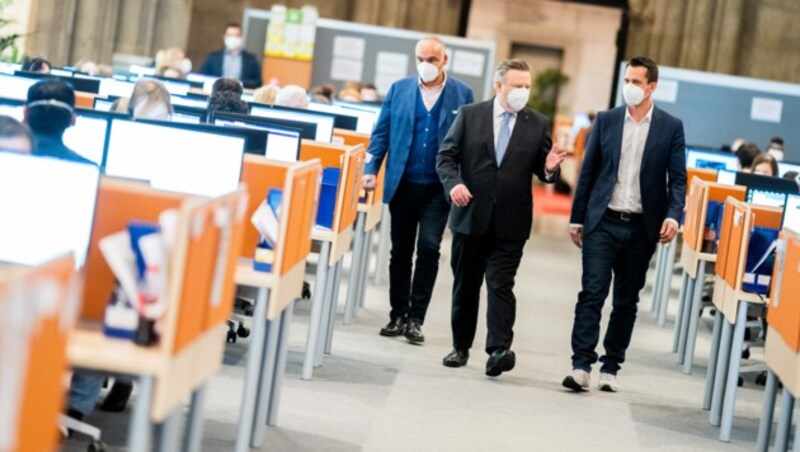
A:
(348, 47)
(346, 69)
(767, 110)
(468, 63)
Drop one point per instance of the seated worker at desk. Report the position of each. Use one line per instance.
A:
(49, 111)
(14, 136)
(233, 61)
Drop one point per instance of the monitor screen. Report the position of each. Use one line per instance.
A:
(176, 87)
(706, 159)
(367, 115)
(14, 110)
(196, 102)
(791, 213)
(9, 68)
(283, 146)
(116, 88)
(324, 122)
(41, 223)
(12, 87)
(87, 137)
(186, 118)
(101, 104)
(785, 167)
(766, 183)
(766, 197)
(174, 158)
(308, 131)
(726, 177)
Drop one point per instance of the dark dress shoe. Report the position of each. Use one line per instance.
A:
(500, 361)
(456, 358)
(394, 328)
(118, 396)
(414, 332)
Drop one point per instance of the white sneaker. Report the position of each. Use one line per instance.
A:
(578, 381)
(608, 382)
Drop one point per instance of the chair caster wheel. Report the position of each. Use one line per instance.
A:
(761, 379)
(231, 337)
(248, 311)
(740, 382)
(97, 446)
(746, 354)
(306, 295)
(243, 331)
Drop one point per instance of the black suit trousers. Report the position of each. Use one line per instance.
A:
(497, 260)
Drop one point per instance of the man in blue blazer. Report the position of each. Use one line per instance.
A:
(415, 117)
(630, 195)
(233, 61)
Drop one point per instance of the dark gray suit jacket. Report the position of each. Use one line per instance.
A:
(502, 197)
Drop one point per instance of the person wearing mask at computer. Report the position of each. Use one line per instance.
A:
(14, 136)
(233, 61)
(36, 64)
(775, 148)
(765, 165)
(293, 96)
(172, 63)
(746, 154)
(369, 93)
(150, 100)
(49, 111)
(415, 116)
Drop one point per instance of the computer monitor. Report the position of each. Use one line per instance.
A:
(101, 104)
(175, 158)
(708, 159)
(346, 118)
(88, 136)
(61, 72)
(9, 68)
(83, 83)
(766, 183)
(367, 114)
(791, 213)
(190, 115)
(13, 87)
(117, 88)
(175, 87)
(785, 167)
(48, 208)
(13, 108)
(279, 143)
(307, 130)
(767, 198)
(189, 101)
(323, 121)
(726, 177)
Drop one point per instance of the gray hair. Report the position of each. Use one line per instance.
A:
(435, 39)
(292, 96)
(515, 64)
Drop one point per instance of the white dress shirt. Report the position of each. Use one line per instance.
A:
(431, 94)
(627, 195)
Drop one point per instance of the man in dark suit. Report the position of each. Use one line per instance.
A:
(415, 116)
(486, 164)
(630, 195)
(233, 61)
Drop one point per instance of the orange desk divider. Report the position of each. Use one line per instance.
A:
(300, 185)
(707, 175)
(48, 298)
(373, 205)
(783, 314)
(84, 100)
(350, 159)
(200, 293)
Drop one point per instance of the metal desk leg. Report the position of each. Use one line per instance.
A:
(669, 268)
(139, 429)
(796, 442)
(681, 308)
(170, 432)
(325, 319)
(765, 426)
(659, 273)
(334, 305)
(687, 314)
(355, 269)
(280, 365)
(317, 309)
(362, 286)
(382, 266)
(712, 361)
(194, 425)
(255, 355)
(265, 383)
(785, 421)
(697, 307)
(729, 404)
(722, 372)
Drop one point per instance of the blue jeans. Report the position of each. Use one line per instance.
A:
(415, 208)
(83, 392)
(622, 248)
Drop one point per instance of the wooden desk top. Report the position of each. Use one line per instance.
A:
(247, 276)
(782, 360)
(88, 348)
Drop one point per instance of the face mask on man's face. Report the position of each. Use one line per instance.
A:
(517, 98)
(233, 42)
(633, 94)
(427, 71)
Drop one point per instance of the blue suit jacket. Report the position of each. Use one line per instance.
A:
(251, 70)
(395, 127)
(662, 176)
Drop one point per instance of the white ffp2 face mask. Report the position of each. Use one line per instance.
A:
(632, 94)
(233, 42)
(427, 71)
(518, 98)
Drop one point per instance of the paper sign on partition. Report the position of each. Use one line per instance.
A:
(767, 110)
(468, 63)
